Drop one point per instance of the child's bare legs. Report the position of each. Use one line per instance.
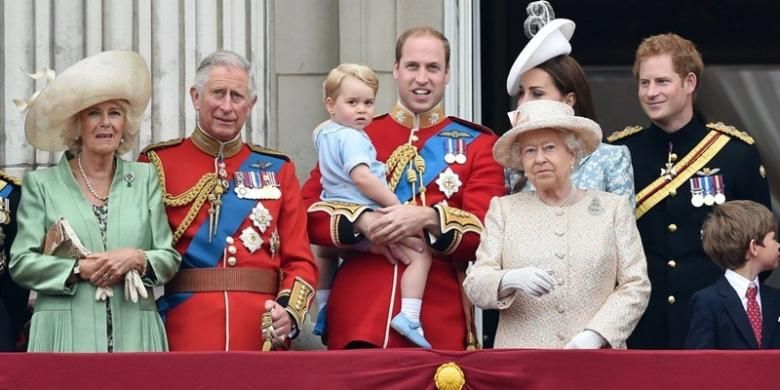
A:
(327, 260)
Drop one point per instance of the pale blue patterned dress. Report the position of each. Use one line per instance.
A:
(607, 169)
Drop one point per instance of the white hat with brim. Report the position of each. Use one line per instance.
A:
(544, 114)
(551, 41)
(110, 75)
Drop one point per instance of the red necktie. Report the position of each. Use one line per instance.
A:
(754, 312)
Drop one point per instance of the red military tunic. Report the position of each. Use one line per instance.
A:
(231, 320)
(366, 291)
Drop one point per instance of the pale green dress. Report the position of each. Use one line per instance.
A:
(67, 317)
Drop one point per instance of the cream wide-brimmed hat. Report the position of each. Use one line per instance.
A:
(544, 114)
(551, 41)
(110, 75)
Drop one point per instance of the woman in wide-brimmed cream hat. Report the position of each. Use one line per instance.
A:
(93, 236)
(564, 266)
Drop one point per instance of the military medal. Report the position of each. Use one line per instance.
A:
(449, 182)
(5, 211)
(270, 187)
(720, 196)
(241, 190)
(669, 172)
(460, 158)
(449, 158)
(274, 243)
(251, 240)
(709, 198)
(697, 197)
(261, 217)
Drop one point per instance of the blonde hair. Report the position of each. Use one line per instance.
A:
(332, 83)
(729, 229)
(685, 58)
(72, 135)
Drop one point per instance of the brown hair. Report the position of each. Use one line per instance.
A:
(422, 31)
(729, 229)
(568, 77)
(685, 58)
(332, 83)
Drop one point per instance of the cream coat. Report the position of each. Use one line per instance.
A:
(595, 253)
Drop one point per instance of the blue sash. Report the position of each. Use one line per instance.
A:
(433, 153)
(204, 254)
(6, 190)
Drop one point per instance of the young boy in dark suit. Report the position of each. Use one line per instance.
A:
(738, 312)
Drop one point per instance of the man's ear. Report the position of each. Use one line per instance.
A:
(690, 82)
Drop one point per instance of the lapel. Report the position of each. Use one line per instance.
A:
(736, 312)
(75, 208)
(770, 311)
(118, 194)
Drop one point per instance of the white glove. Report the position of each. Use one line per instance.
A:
(134, 286)
(103, 293)
(530, 280)
(587, 339)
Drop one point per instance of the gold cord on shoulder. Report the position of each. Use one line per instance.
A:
(196, 195)
(405, 158)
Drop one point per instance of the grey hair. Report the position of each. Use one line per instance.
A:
(574, 143)
(225, 58)
(72, 134)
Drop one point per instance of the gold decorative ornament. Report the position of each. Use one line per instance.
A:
(732, 131)
(449, 377)
(618, 135)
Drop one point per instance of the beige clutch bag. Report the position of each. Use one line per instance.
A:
(62, 241)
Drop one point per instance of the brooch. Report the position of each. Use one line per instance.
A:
(251, 240)
(261, 217)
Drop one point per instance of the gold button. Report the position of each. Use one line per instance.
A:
(415, 138)
(673, 157)
(671, 264)
(672, 228)
(232, 261)
(671, 299)
(672, 192)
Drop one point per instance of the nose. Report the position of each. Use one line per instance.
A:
(421, 77)
(104, 121)
(226, 104)
(539, 158)
(651, 89)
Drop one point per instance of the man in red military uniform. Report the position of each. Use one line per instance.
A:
(453, 178)
(238, 221)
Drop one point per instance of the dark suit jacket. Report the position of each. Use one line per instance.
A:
(718, 320)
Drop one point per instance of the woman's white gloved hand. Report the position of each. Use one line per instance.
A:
(587, 339)
(134, 286)
(103, 293)
(530, 280)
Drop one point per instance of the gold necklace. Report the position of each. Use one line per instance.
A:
(89, 185)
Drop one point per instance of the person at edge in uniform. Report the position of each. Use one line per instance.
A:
(442, 169)
(13, 298)
(238, 222)
(544, 70)
(682, 168)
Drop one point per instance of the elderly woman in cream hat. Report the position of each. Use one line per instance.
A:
(93, 227)
(564, 266)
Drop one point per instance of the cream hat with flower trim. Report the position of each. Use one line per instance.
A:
(544, 114)
(110, 75)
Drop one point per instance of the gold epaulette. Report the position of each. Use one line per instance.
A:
(13, 179)
(272, 152)
(162, 144)
(732, 131)
(618, 135)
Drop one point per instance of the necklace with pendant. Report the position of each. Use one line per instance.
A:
(89, 184)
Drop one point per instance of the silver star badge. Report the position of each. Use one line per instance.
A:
(261, 217)
(251, 240)
(449, 182)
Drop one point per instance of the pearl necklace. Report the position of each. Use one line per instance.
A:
(565, 203)
(89, 185)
